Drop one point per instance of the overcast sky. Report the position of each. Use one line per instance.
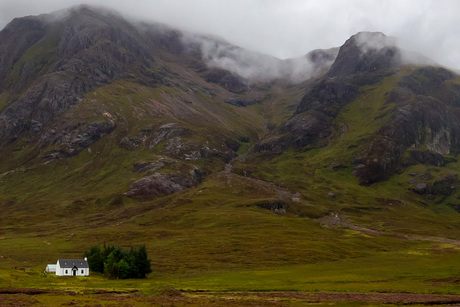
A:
(289, 28)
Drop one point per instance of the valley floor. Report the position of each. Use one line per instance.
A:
(419, 274)
(174, 297)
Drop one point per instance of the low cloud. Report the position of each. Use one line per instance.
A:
(255, 65)
(289, 29)
(367, 41)
(373, 40)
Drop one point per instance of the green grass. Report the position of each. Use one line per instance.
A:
(215, 236)
(389, 205)
(231, 248)
(383, 272)
(413, 268)
(107, 167)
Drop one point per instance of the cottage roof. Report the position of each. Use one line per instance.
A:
(70, 263)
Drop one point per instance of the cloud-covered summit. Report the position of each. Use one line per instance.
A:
(288, 29)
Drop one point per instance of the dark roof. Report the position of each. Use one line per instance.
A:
(70, 263)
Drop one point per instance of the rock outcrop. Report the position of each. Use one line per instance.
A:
(423, 123)
(227, 80)
(327, 96)
(160, 184)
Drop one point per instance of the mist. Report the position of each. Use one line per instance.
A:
(253, 65)
(287, 29)
(367, 41)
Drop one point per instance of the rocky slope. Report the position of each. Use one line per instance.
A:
(420, 111)
(50, 81)
(91, 102)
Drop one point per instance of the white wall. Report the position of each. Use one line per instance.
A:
(69, 272)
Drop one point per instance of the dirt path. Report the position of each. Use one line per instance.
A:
(340, 220)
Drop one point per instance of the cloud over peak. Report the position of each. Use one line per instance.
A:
(289, 29)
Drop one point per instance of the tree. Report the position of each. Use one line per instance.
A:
(131, 259)
(124, 269)
(142, 262)
(95, 259)
(111, 266)
(115, 262)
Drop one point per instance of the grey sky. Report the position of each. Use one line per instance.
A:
(289, 28)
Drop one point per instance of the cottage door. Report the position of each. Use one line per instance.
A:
(74, 271)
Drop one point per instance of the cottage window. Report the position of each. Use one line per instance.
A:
(66, 271)
(82, 271)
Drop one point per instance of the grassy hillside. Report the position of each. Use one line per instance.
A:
(225, 218)
(296, 222)
(324, 176)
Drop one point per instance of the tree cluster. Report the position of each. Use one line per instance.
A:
(118, 263)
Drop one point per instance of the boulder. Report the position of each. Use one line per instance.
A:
(420, 188)
(130, 143)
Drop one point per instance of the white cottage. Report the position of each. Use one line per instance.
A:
(72, 267)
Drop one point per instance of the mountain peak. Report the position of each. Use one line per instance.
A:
(371, 40)
(366, 52)
(85, 9)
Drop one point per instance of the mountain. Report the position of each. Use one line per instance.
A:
(418, 114)
(204, 150)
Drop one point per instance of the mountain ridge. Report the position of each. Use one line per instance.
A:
(106, 124)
